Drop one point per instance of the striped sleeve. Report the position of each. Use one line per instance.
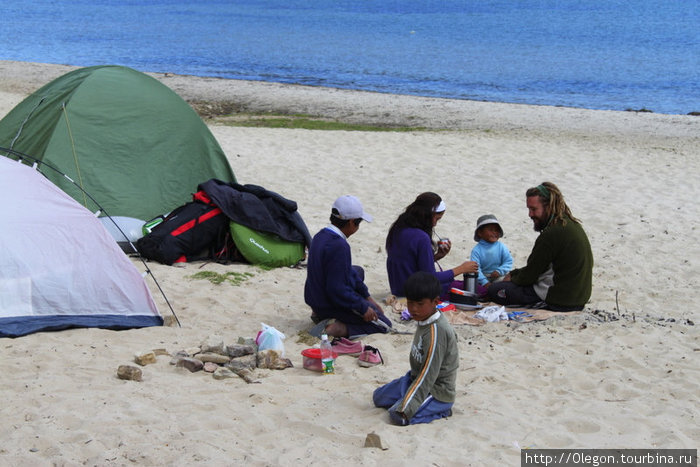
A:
(422, 384)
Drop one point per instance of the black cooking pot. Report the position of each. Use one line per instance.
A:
(462, 297)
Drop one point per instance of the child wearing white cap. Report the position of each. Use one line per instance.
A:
(492, 256)
(335, 288)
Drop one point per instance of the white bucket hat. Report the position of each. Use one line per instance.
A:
(485, 220)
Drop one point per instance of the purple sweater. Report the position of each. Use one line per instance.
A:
(411, 251)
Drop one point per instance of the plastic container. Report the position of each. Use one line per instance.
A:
(125, 230)
(312, 359)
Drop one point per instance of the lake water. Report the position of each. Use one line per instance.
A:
(598, 54)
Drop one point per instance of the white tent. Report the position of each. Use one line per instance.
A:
(59, 267)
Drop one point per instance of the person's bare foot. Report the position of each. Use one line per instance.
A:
(337, 329)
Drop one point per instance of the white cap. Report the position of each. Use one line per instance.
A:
(349, 207)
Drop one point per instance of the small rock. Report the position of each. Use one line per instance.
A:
(178, 355)
(249, 361)
(246, 374)
(213, 344)
(247, 341)
(190, 363)
(238, 350)
(242, 369)
(271, 360)
(159, 352)
(210, 367)
(213, 357)
(129, 372)
(223, 373)
(192, 351)
(169, 321)
(374, 441)
(145, 358)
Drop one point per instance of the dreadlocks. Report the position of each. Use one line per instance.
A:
(553, 201)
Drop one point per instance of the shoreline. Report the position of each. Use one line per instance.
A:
(373, 108)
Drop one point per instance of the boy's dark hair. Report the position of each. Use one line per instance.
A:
(337, 221)
(422, 285)
(340, 223)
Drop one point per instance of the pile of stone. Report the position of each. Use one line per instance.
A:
(215, 357)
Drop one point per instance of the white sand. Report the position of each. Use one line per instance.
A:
(572, 382)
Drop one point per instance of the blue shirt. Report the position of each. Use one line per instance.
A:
(491, 257)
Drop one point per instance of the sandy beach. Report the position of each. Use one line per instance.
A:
(602, 378)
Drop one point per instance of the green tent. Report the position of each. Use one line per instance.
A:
(127, 139)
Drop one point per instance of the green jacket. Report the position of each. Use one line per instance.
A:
(565, 250)
(434, 362)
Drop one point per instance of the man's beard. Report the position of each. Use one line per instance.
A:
(539, 223)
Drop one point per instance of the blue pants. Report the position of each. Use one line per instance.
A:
(391, 393)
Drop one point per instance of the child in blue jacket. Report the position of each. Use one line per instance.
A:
(492, 256)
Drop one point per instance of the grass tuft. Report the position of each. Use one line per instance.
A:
(305, 123)
(234, 278)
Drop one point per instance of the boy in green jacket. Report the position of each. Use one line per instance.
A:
(427, 391)
(559, 270)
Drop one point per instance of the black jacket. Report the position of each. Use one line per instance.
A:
(259, 209)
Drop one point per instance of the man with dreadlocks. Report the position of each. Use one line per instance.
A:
(559, 269)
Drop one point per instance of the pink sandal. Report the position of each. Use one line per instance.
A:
(344, 346)
(370, 356)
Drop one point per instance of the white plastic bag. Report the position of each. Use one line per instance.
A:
(492, 314)
(270, 338)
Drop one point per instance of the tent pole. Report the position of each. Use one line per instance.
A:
(20, 156)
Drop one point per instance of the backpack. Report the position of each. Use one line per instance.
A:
(191, 232)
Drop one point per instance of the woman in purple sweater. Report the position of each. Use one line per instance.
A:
(410, 247)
